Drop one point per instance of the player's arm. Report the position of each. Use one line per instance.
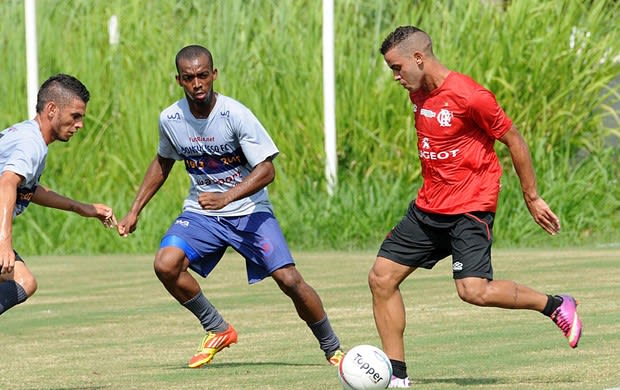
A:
(45, 197)
(9, 181)
(522, 163)
(155, 176)
(261, 176)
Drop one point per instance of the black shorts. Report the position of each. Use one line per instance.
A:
(421, 239)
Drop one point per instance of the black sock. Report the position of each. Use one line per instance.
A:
(399, 369)
(328, 341)
(11, 294)
(553, 302)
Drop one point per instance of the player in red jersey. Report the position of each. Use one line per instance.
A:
(457, 122)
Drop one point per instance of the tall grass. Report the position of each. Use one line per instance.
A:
(549, 63)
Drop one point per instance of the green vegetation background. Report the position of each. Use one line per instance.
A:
(550, 64)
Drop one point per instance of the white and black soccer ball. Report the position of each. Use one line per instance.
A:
(365, 367)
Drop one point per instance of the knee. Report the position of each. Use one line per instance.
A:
(25, 278)
(166, 265)
(289, 280)
(29, 285)
(474, 295)
(374, 281)
(380, 284)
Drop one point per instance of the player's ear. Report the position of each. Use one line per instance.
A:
(418, 57)
(214, 74)
(178, 79)
(51, 109)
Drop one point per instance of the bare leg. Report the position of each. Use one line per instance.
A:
(171, 268)
(387, 303)
(21, 275)
(505, 294)
(307, 302)
(309, 308)
(16, 286)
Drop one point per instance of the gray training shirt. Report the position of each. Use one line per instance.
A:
(219, 151)
(23, 151)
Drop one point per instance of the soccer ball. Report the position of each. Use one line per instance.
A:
(365, 367)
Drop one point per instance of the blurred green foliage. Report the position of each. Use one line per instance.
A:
(551, 65)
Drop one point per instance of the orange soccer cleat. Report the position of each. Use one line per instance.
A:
(211, 344)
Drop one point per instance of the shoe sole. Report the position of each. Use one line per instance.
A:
(208, 359)
(573, 340)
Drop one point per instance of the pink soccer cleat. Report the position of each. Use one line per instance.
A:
(566, 318)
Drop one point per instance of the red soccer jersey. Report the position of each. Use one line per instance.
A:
(457, 125)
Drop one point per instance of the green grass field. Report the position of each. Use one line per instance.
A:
(105, 322)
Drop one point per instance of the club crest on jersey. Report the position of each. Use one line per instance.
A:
(444, 118)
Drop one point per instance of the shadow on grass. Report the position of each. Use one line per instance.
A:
(479, 381)
(217, 366)
(75, 388)
(458, 381)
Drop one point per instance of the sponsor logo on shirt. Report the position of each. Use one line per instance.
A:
(202, 149)
(427, 113)
(444, 117)
(201, 139)
(24, 196)
(429, 155)
(230, 180)
(213, 164)
(174, 117)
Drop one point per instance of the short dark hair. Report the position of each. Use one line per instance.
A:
(60, 89)
(399, 35)
(191, 52)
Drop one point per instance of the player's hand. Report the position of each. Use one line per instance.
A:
(7, 258)
(543, 215)
(102, 212)
(127, 225)
(213, 200)
(105, 214)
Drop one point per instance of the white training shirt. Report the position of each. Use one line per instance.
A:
(219, 151)
(23, 151)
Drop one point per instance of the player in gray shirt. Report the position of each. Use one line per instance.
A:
(61, 106)
(228, 156)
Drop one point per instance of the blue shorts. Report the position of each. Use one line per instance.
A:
(204, 239)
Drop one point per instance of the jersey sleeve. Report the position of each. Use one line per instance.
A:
(254, 140)
(165, 148)
(25, 160)
(488, 115)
